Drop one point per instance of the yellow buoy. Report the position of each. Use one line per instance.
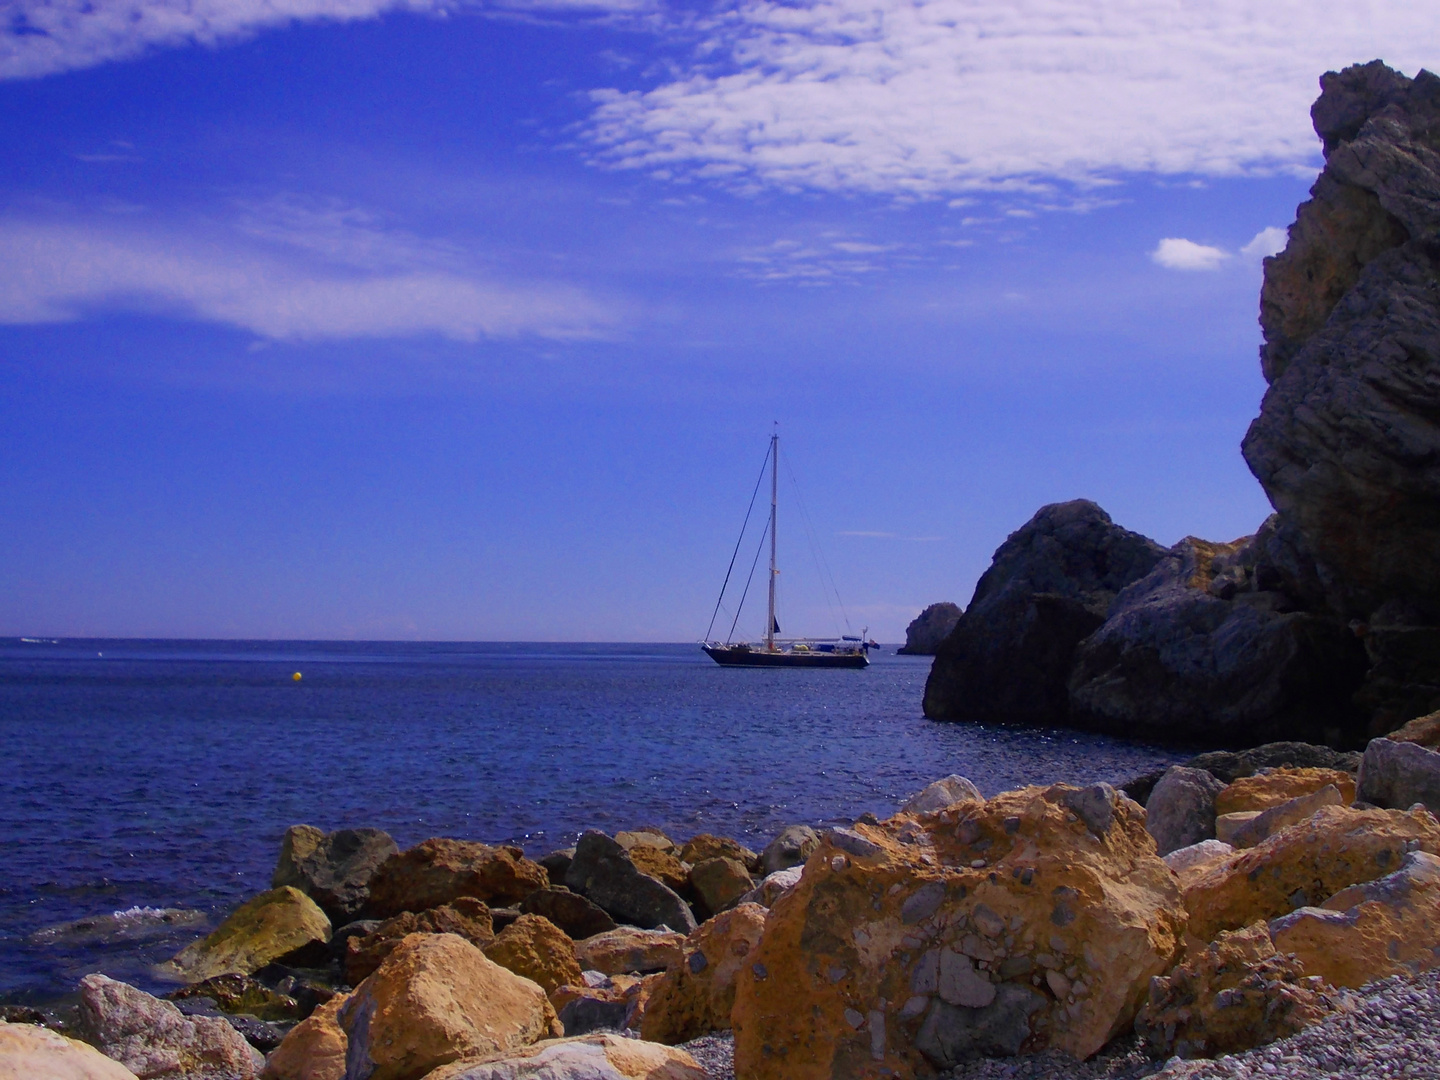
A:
(296, 676)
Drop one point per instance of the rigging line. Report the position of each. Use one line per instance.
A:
(754, 563)
(817, 554)
(738, 541)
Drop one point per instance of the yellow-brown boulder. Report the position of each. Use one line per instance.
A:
(539, 950)
(1384, 927)
(1268, 822)
(590, 1057)
(1297, 867)
(31, 1052)
(313, 1049)
(1234, 994)
(709, 846)
(1275, 786)
(696, 994)
(438, 871)
(627, 949)
(260, 930)
(1034, 920)
(1423, 731)
(660, 865)
(434, 1000)
(465, 916)
(720, 883)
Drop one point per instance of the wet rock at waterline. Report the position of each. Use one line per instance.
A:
(333, 869)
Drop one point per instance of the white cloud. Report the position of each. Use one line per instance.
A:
(46, 36)
(271, 282)
(1174, 253)
(926, 97)
(1269, 241)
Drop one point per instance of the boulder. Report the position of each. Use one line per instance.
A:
(1423, 731)
(708, 846)
(155, 1041)
(603, 1007)
(1048, 587)
(1269, 822)
(1237, 993)
(465, 916)
(333, 869)
(590, 1057)
(1400, 774)
(1228, 825)
(557, 864)
(1334, 848)
(645, 836)
(534, 947)
(1271, 787)
(436, 872)
(571, 912)
(791, 848)
(997, 928)
(241, 994)
(1189, 863)
(1181, 810)
(696, 994)
(1231, 765)
(434, 1000)
(31, 1052)
(1195, 652)
(929, 628)
(1347, 443)
(660, 865)
(947, 791)
(774, 886)
(1388, 926)
(314, 1049)
(259, 931)
(720, 883)
(627, 949)
(604, 872)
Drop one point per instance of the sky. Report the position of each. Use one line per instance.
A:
(454, 320)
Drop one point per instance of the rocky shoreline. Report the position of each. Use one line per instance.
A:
(1043, 932)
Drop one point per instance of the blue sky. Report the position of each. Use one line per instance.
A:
(348, 318)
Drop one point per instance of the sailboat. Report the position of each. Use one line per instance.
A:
(846, 651)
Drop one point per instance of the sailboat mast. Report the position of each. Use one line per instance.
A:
(774, 486)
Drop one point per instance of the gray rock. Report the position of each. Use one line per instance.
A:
(944, 792)
(571, 912)
(960, 984)
(773, 887)
(1194, 652)
(1268, 822)
(1181, 810)
(557, 864)
(1094, 805)
(791, 848)
(952, 1034)
(586, 1014)
(1347, 443)
(1049, 586)
(1182, 859)
(851, 842)
(603, 872)
(929, 628)
(333, 869)
(155, 1041)
(1398, 775)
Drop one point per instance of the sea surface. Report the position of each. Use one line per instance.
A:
(145, 785)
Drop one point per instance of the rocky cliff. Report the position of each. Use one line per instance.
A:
(929, 628)
(1324, 625)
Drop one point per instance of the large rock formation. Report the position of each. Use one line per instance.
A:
(929, 628)
(333, 869)
(1197, 652)
(1034, 920)
(1049, 586)
(1347, 443)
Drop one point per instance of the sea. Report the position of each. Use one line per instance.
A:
(145, 785)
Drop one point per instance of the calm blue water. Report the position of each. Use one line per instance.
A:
(162, 774)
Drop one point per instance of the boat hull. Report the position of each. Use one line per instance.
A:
(758, 658)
